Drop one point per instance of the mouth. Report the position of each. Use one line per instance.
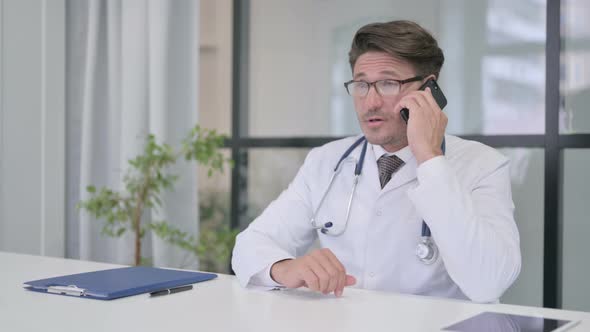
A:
(374, 121)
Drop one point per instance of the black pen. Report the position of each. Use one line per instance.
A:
(171, 290)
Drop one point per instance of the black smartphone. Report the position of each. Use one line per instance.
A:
(437, 93)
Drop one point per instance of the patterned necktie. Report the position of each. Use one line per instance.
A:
(387, 166)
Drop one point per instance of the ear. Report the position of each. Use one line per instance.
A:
(430, 77)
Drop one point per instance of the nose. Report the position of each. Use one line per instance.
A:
(373, 100)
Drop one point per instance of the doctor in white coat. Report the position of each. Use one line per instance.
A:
(463, 195)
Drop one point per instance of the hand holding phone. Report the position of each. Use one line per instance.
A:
(437, 93)
(440, 99)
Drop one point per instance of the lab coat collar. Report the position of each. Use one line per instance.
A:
(370, 173)
(406, 174)
(404, 154)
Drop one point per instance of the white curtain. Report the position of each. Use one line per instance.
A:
(132, 69)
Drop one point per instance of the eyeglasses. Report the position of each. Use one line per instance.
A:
(388, 87)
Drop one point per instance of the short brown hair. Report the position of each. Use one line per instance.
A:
(404, 40)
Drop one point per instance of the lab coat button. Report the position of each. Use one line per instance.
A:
(371, 274)
(378, 212)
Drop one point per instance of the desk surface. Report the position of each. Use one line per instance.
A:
(222, 305)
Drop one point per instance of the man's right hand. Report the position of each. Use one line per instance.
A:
(319, 270)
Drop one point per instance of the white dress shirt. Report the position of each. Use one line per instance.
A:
(464, 197)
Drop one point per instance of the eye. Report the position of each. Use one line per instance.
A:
(360, 85)
(388, 83)
(357, 88)
(388, 87)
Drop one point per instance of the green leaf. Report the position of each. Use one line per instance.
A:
(148, 177)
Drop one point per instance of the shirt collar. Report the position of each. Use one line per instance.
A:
(404, 154)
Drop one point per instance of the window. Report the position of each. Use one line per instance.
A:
(503, 77)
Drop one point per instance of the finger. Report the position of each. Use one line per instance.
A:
(331, 269)
(425, 101)
(333, 259)
(431, 101)
(416, 97)
(340, 287)
(320, 272)
(409, 103)
(350, 280)
(341, 283)
(310, 279)
(429, 108)
(341, 271)
(336, 275)
(417, 116)
(332, 283)
(432, 113)
(441, 117)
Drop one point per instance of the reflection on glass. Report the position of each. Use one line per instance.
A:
(269, 173)
(575, 23)
(500, 322)
(493, 76)
(576, 230)
(575, 67)
(527, 178)
(513, 95)
(214, 219)
(515, 22)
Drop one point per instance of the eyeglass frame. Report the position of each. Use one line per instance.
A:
(374, 84)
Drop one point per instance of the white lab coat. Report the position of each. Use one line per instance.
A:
(464, 197)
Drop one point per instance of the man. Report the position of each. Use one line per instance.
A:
(463, 194)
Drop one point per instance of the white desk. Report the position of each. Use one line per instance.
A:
(222, 305)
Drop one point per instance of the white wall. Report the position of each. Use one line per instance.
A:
(32, 126)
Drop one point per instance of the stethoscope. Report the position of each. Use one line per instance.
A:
(426, 250)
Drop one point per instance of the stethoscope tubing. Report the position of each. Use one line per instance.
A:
(357, 172)
(428, 251)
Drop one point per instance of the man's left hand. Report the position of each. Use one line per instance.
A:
(426, 126)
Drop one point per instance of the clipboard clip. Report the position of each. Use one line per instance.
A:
(67, 290)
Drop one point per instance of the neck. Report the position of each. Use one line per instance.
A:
(392, 148)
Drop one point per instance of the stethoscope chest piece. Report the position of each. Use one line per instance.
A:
(427, 251)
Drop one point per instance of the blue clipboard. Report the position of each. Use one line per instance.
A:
(116, 283)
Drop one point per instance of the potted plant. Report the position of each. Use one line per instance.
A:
(145, 180)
